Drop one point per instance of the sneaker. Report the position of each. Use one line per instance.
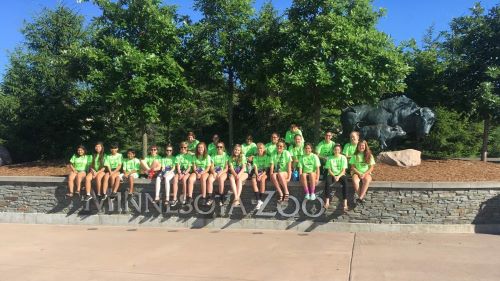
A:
(307, 197)
(259, 204)
(209, 202)
(189, 201)
(113, 195)
(313, 196)
(87, 198)
(104, 197)
(173, 203)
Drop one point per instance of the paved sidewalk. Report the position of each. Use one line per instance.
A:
(49, 252)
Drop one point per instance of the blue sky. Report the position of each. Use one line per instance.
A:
(405, 19)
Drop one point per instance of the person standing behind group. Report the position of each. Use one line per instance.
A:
(212, 147)
(296, 151)
(350, 147)
(167, 173)
(184, 163)
(192, 143)
(78, 166)
(271, 146)
(131, 167)
(290, 134)
(281, 171)
(261, 165)
(309, 166)
(96, 171)
(218, 173)
(152, 164)
(362, 164)
(113, 164)
(201, 167)
(249, 149)
(336, 166)
(238, 173)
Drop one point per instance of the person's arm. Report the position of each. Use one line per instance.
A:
(231, 170)
(225, 168)
(317, 173)
(289, 169)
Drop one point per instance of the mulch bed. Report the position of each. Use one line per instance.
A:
(428, 171)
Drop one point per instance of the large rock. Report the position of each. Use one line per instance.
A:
(402, 158)
(4, 156)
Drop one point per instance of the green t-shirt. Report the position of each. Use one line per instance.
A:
(336, 164)
(220, 161)
(324, 149)
(358, 160)
(238, 165)
(192, 146)
(309, 163)
(249, 149)
(184, 160)
(129, 165)
(290, 136)
(349, 149)
(168, 162)
(202, 163)
(113, 161)
(150, 159)
(262, 162)
(80, 163)
(296, 152)
(270, 148)
(96, 161)
(281, 161)
(212, 149)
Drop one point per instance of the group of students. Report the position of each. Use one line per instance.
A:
(276, 160)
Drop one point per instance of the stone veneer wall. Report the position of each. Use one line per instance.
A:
(387, 203)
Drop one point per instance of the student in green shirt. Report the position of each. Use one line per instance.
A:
(271, 146)
(151, 165)
(309, 166)
(336, 166)
(261, 165)
(201, 167)
(237, 173)
(249, 149)
(281, 171)
(96, 171)
(212, 147)
(290, 134)
(350, 148)
(131, 167)
(296, 150)
(192, 142)
(113, 164)
(218, 172)
(362, 164)
(78, 167)
(184, 163)
(167, 173)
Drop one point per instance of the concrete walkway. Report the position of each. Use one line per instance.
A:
(50, 252)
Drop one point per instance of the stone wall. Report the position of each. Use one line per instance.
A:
(386, 203)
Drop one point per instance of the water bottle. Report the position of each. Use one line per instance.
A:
(295, 175)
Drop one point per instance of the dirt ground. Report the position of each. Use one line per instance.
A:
(428, 171)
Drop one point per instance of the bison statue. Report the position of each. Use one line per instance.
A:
(401, 111)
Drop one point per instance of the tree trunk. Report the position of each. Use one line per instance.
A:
(484, 149)
(144, 145)
(230, 84)
(316, 115)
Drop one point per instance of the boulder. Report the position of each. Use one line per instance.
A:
(4, 156)
(402, 158)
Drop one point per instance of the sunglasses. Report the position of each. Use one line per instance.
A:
(169, 150)
(280, 146)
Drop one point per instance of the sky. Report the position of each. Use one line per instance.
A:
(404, 19)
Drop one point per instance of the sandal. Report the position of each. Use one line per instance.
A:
(69, 195)
(280, 198)
(287, 196)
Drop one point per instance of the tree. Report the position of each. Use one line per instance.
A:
(337, 57)
(473, 76)
(39, 86)
(131, 68)
(224, 35)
